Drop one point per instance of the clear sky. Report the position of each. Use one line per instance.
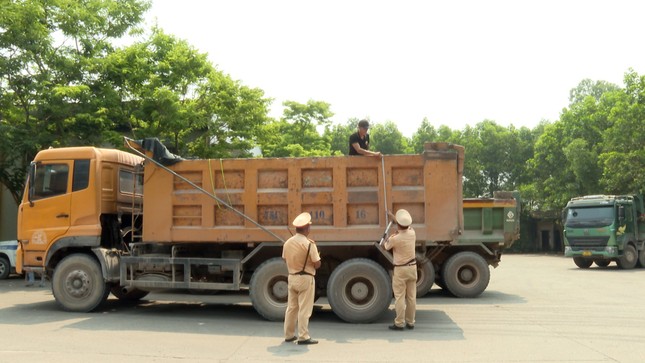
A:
(454, 62)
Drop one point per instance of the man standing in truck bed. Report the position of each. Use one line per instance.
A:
(301, 255)
(359, 142)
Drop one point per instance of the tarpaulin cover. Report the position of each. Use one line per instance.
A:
(159, 151)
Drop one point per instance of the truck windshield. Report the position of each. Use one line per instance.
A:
(590, 217)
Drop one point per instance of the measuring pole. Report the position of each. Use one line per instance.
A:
(387, 212)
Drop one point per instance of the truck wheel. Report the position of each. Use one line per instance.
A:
(582, 262)
(425, 275)
(5, 268)
(128, 294)
(466, 274)
(269, 289)
(641, 257)
(78, 284)
(629, 259)
(602, 263)
(359, 291)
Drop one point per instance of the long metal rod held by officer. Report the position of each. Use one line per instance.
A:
(387, 229)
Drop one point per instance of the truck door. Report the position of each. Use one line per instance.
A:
(44, 214)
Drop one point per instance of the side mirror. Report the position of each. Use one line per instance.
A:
(564, 215)
(31, 185)
(621, 214)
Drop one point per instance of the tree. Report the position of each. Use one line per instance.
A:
(588, 88)
(163, 87)
(565, 162)
(623, 152)
(387, 139)
(297, 133)
(425, 133)
(48, 60)
(338, 136)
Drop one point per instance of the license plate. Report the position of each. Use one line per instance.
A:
(586, 253)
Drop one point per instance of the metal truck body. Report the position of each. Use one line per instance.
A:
(604, 228)
(118, 224)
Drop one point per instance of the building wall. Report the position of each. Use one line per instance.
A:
(8, 215)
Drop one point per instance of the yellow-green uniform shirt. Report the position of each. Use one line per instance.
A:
(402, 244)
(294, 253)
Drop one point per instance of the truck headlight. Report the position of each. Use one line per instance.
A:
(611, 250)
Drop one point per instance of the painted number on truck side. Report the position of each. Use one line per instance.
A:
(317, 214)
(271, 215)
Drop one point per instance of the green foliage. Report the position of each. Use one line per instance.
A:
(338, 136)
(425, 133)
(49, 51)
(595, 148)
(297, 133)
(174, 93)
(387, 139)
(623, 150)
(64, 83)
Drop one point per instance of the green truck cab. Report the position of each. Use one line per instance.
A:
(603, 228)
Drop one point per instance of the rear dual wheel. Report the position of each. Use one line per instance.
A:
(359, 291)
(629, 258)
(425, 275)
(466, 274)
(269, 289)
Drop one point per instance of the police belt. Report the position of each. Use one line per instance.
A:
(412, 262)
(302, 273)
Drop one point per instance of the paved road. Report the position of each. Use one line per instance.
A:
(536, 309)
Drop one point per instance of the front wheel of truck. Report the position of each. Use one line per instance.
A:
(78, 284)
(466, 274)
(359, 291)
(602, 263)
(582, 262)
(269, 289)
(629, 259)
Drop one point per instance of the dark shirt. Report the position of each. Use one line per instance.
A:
(363, 143)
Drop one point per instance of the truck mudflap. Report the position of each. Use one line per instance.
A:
(109, 260)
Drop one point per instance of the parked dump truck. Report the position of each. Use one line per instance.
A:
(97, 221)
(604, 228)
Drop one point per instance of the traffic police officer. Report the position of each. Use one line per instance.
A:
(301, 255)
(404, 279)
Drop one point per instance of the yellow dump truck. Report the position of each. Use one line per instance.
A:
(97, 221)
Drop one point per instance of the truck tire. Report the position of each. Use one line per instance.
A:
(425, 275)
(359, 291)
(582, 262)
(269, 289)
(5, 268)
(641, 257)
(78, 284)
(629, 259)
(129, 294)
(602, 263)
(466, 274)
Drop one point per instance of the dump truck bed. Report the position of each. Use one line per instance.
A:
(347, 197)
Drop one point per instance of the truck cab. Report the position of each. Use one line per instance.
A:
(604, 228)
